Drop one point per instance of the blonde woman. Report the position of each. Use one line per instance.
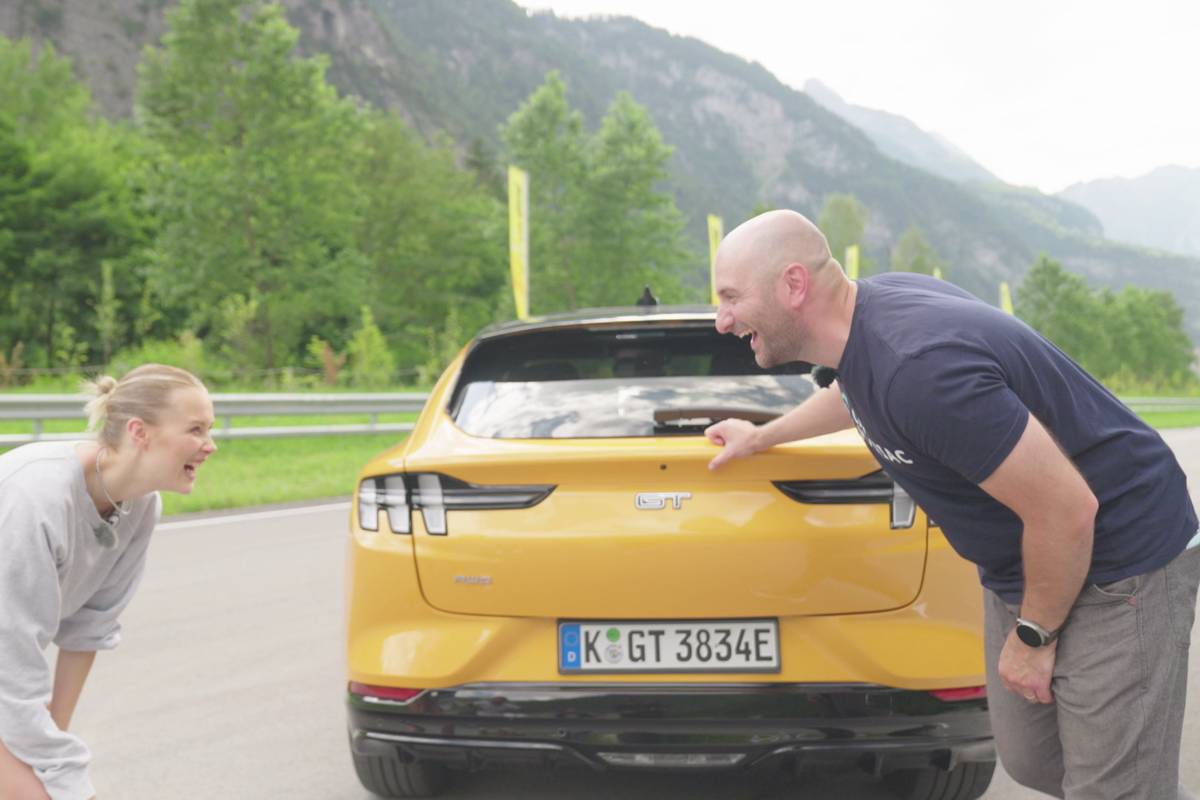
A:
(75, 521)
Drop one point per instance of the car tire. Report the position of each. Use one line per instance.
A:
(964, 782)
(391, 777)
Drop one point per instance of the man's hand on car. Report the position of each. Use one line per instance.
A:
(736, 437)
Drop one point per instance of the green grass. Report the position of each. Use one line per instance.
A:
(252, 472)
(1171, 419)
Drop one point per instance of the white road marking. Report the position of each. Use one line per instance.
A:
(250, 517)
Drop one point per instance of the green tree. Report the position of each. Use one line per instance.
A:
(38, 91)
(108, 320)
(546, 137)
(64, 212)
(632, 230)
(912, 253)
(253, 151)
(436, 242)
(843, 220)
(1062, 308)
(601, 226)
(68, 204)
(480, 159)
(371, 363)
(1147, 341)
(1133, 339)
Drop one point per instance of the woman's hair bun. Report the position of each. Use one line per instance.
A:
(97, 407)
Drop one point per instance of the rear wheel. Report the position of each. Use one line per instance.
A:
(392, 777)
(964, 782)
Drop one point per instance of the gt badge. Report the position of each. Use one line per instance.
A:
(654, 501)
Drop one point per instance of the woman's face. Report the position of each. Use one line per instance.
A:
(181, 441)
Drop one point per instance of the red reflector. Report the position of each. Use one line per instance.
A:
(384, 692)
(965, 693)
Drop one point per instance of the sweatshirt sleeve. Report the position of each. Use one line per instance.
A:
(96, 625)
(29, 609)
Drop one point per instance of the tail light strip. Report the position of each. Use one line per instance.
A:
(875, 487)
(434, 494)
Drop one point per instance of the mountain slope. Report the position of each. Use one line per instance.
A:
(1160, 209)
(741, 137)
(902, 139)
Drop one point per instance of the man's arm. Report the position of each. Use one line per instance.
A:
(1058, 510)
(70, 673)
(823, 412)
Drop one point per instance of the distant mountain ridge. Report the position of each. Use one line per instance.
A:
(902, 139)
(1160, 209)
(742, 138)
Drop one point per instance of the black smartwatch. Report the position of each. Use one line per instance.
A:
(1033, 634)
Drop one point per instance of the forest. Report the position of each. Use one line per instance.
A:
(252, 224)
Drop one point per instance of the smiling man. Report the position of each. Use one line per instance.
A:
(1075, 511)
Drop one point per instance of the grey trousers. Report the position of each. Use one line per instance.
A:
(1119, 685)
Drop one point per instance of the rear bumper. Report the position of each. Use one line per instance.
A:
(677, 726)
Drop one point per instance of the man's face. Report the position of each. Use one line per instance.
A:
(753, 307)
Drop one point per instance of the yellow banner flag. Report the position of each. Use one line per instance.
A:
(716, 230)
(518, 238)
(1005, 298)
(852, 262)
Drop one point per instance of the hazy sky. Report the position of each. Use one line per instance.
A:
(1041, 92)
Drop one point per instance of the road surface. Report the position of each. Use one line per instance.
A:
(229, 682)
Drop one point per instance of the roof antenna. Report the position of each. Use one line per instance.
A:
(647, 298)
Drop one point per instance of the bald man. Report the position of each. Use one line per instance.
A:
(1076, 513)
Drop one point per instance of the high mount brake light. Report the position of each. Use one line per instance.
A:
(434, 494)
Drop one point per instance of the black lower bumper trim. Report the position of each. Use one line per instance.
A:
(623, 726)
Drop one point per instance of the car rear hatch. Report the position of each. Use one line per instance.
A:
(644, 529)
(559, 482)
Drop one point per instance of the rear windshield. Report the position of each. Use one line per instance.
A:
(604, 382)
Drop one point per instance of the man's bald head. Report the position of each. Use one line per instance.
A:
(765, 245)
(778, 285)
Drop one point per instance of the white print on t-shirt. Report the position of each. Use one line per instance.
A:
(884, 454)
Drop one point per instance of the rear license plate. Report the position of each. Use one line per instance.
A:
(749, 645)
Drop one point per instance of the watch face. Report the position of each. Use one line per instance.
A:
(1029, 636)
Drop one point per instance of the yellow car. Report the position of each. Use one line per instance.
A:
(547, 570)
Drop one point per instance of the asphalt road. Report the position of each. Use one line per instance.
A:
(229, 682)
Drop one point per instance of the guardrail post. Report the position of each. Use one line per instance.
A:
(374, 421)
(37, 429)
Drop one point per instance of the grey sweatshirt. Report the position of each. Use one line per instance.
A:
(65, 576)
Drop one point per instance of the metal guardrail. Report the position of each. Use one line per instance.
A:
(38, 408)
(1162, 403)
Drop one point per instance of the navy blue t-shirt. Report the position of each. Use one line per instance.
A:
(940, 385)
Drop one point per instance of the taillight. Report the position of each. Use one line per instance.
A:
(958, 695)
(391, 694)
(433, 495)
(876, 487)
